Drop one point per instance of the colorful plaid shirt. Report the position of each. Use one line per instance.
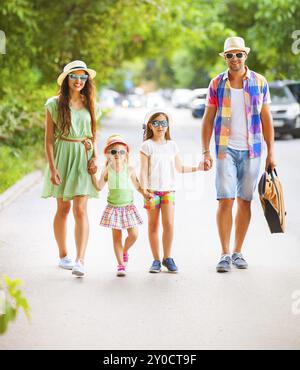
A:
(256, 94)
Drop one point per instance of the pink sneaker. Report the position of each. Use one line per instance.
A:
(121, 271)
(125, 258)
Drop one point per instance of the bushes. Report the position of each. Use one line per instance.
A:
(16, 163)
(22, 131)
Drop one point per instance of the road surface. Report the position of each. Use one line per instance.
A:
(195, 309)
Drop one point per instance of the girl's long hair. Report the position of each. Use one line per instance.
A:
(149, 132)
(64, 113)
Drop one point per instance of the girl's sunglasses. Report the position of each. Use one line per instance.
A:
(231, 55)
(163, 123)
(115, 151)
(75, 77)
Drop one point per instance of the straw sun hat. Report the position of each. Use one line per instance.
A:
(234, 43)
(76, 65)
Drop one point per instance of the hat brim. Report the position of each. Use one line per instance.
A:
(92, 73)
(113, 142)
(155, 111)
(246, 50)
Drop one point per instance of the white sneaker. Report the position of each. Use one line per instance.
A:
(66, 263)
(121, 270)
(78, 269)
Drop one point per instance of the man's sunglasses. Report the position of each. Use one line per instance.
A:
(163, 123)
(115, 151)
(74, 77)
(231, 55)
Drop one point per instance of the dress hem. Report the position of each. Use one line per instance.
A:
(70, 197)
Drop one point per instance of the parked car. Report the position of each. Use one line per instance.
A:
(285, 107)
(198, 102)
(154, 100)
(109, 98)
(181, 98)
(132, 101)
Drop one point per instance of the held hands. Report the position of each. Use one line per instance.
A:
(147, 195)
(206, 164)
(92, 167)
(55, 177)
(203, 165)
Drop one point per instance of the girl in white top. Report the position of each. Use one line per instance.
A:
(160, 159)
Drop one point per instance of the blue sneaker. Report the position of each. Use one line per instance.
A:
(170, 265)
(225, 264)
(239, 261)
(156, 267)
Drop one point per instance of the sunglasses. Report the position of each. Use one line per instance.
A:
(231, 55)
(115, 151)
(163, 123)
(75, 77)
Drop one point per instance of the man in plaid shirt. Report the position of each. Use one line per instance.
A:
(237, 110)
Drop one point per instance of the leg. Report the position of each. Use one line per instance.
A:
(118, 247)
(131, 238)
(224, 222)
(168, 211)
(81, 226)
(242, 222)
(153, 229)
(226, 185)
(60, 226)
(248, 172)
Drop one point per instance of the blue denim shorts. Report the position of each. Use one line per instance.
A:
(237, 175)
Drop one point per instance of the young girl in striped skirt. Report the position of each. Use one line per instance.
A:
(120, 212)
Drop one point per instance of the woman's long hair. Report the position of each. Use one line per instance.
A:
(149, 132)
(64, 113)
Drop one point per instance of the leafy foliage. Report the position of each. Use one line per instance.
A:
(171, 42)
(12, 301)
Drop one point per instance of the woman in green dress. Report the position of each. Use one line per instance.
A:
(70, 145)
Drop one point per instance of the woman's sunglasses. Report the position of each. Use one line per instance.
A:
(115, 151)
(231, 55)
(163, 123)
(75, 77)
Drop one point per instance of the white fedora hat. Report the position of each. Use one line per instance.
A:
(76, 65)
(234, 43)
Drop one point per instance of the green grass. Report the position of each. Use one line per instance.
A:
(16, 163)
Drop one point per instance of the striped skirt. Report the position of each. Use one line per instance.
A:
(121, 217)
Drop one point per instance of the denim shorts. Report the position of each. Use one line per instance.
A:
(237, 175)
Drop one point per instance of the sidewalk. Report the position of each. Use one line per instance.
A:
(196, 309)
(19, 188)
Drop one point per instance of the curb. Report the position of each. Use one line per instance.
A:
(19, 188)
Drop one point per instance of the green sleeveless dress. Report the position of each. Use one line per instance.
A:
(70, 157)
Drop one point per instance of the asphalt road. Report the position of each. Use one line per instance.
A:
(195, 309)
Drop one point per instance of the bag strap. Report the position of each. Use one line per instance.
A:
(272, 172)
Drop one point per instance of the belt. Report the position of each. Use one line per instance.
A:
(85, 141)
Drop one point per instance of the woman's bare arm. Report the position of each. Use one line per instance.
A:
(49, 145)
